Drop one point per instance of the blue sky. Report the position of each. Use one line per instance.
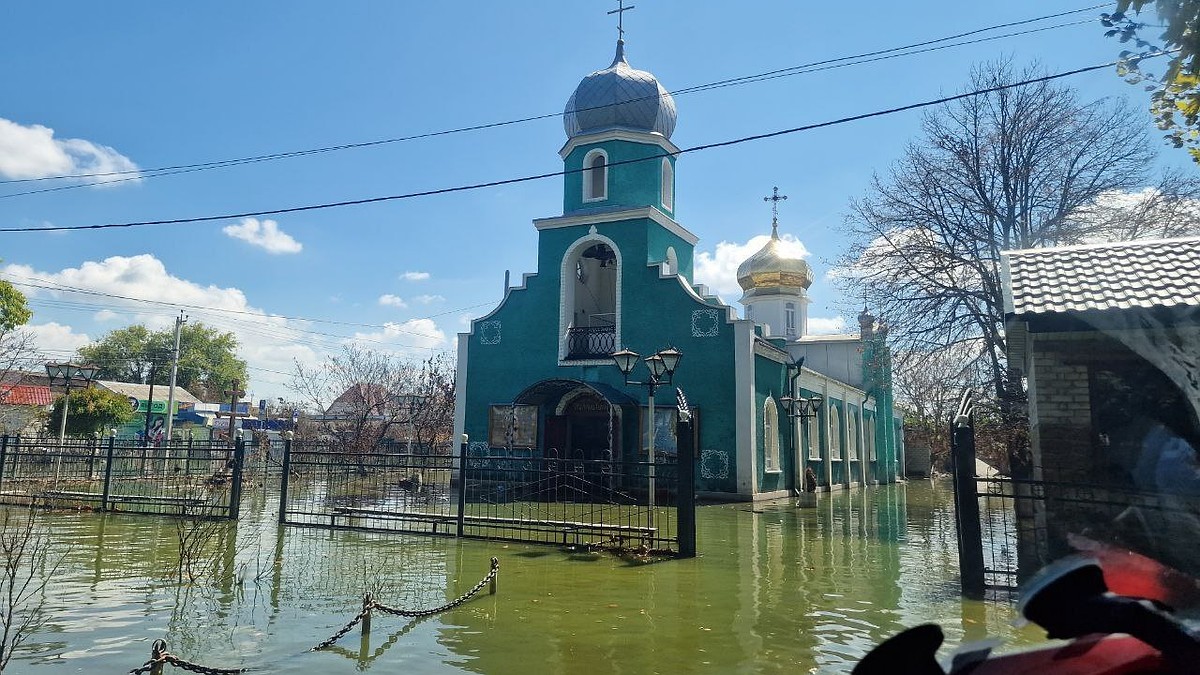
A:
(119, 86)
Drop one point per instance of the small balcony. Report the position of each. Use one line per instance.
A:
(597, 342)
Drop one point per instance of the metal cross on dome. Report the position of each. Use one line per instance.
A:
(620, 12)
(775, 198)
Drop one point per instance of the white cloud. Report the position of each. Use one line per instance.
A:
(718, 270)
(415, 336)
(265, 235)
(56, 339)
(33, 152)
(429, 299)
(266, 343)
(389, 300)
(826, 325)
(104, 315)
(415, 276)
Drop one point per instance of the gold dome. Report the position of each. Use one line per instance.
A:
(771, 269)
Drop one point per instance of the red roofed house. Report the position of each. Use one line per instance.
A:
(20, 405)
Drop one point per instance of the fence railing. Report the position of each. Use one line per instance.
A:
(625, 504)
(181, 477)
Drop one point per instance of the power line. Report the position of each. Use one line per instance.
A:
(556, 174)
(836, 62)
(54, 286)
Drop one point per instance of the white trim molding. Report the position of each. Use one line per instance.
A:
(612, 217)
(566, 293)
(586, 195)
(619, 135)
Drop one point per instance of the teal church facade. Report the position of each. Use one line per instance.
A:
(615, 271)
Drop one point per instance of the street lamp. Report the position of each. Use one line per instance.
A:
(662, 371)
(67, 372)
(803, 408)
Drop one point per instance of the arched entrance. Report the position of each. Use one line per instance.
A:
(582, 419)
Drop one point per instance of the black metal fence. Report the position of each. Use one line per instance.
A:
(329, 486)
(181, 477)
(633, 505)
(639, 506)
(1009, 528)
(572, 501)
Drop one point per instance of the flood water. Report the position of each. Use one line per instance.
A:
(775, 589)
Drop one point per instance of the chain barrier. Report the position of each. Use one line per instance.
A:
(160, 656)
(415, 613)
(370, 603)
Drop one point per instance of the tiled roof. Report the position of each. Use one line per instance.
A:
(1098, 277)
(26, 394)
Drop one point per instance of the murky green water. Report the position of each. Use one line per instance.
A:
(775, 589)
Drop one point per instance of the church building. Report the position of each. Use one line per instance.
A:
(536, 377)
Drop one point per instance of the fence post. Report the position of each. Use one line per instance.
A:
(462, 486)
(235, 481)
(966, 507)
(283, 482)
(157, 651)
(108, 468)
(685, 504)
(3, 457)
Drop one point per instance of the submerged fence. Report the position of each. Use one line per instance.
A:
(630, 504)
(179, 478)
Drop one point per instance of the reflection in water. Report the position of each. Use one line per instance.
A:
(776, 588)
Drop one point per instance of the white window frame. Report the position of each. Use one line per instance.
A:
(771, 463)
(835, 434)
(668, 184)
(812, 430)
(588, 176)
(789, 319)
(853, 440)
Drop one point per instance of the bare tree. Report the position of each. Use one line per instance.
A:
(433, 421)
(1009, 169)
(28, 567)
(362, 398)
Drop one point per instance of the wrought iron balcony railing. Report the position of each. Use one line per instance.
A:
(591, 343)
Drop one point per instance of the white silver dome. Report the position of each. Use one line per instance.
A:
(620, 97)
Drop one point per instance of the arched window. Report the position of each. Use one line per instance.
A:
(668, 184)
(789, 316)
(771, 435)
(854, 436)
(813, 427)
(595, 176)
(749, 312)
(672, 261)
(835, 433)
(591, 274)
(871, 439)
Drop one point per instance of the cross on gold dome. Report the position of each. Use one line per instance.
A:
(775, 198)
(620, 12)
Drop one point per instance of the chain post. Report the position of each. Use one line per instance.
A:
(368, 603)
(157, 651)
(283, 481)
(108, 467)
(492, 586)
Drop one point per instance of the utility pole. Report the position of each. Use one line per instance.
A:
(179, 321)
(235, 395)
(150, 403)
